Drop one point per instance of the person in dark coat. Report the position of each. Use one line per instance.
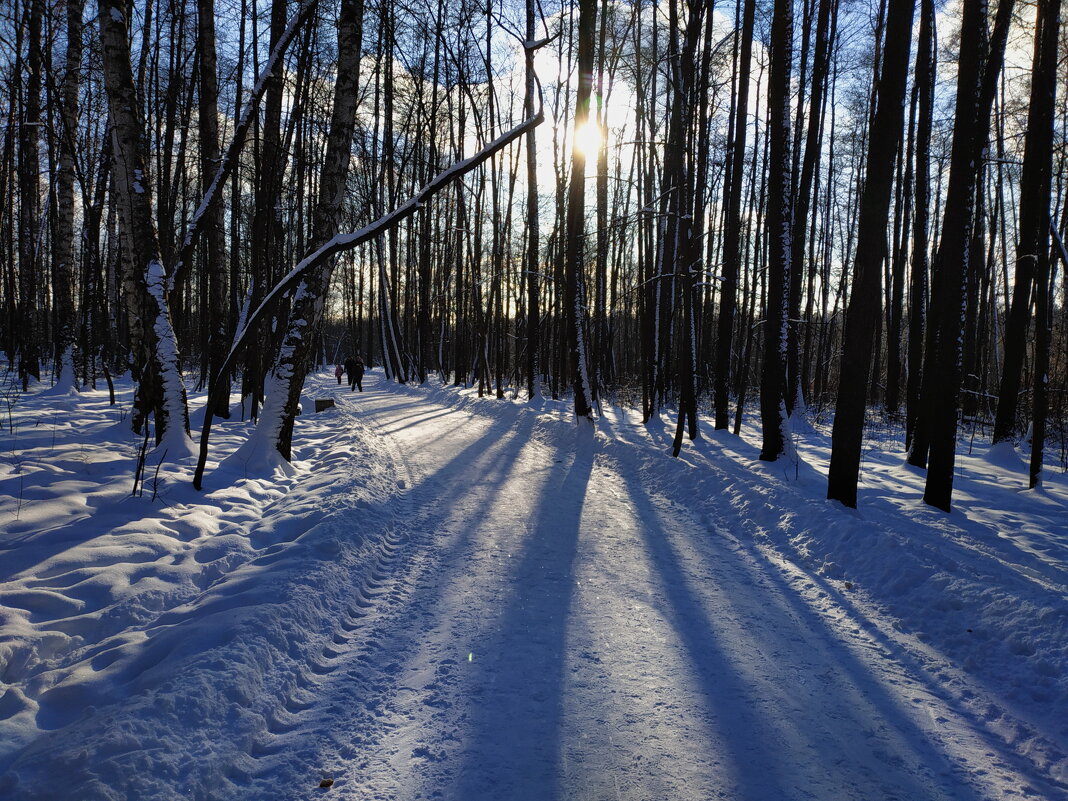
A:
(354, 370)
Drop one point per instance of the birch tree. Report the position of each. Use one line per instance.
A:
(63, 246)
(275, 427)
(160, 391)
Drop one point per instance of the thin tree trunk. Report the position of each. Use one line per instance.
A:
(925, 76)
(773, 375)
(29, 169)
(63, 281)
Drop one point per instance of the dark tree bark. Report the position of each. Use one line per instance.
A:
(795, 391)
(1040, 128)
(925, 76)
(29, 169)
(728, 296)
(978, 70)
(214, 270)
(773, 375)
(305, 319)
(574, 282)
(161, 391)
(531, 257)
(267, 236)
(884, 141)
(63, 255)
(1032, 246)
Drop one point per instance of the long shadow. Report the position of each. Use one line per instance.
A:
(393, 644)
(365, 685)
(767, 751)
(415, 421)
(512, 741)
(869, 683)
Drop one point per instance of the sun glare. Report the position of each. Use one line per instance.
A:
(588, 139)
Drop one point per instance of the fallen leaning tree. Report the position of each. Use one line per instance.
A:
(340, 244)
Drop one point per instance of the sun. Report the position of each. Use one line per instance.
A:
(588, 138)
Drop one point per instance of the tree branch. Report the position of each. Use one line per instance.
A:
(340, 244)
(229, 159)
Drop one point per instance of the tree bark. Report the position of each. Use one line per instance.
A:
(925, 77)
(884, 141)
(773, 376)
(1035, 190)
(295, 354)
(728, 295)
(29, 169)
(161, 390)
(574, 281)
(943, 366)
(63, 256)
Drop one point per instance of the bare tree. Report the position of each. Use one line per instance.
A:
(773, 375)
(884, 142)
(161, 391)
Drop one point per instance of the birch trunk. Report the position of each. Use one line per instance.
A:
(295, 355)
(161, 391)
(63, 255)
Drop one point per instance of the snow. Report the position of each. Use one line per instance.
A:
(461, 598)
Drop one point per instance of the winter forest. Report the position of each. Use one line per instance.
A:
(815, 250)
(836, 209)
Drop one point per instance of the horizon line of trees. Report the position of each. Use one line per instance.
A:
(810, 206)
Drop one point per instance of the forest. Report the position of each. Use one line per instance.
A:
(828, 212)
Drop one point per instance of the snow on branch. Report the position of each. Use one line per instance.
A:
(340, 244)
(229, 159)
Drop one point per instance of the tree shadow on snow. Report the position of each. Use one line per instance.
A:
(774, 738)
(512, 741)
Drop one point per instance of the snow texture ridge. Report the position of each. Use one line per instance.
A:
(454, 597)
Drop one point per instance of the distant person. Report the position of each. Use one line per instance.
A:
(354, 368)
(338, 372)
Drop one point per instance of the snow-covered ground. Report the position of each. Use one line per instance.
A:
(461, 598)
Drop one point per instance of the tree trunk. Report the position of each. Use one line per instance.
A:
(29, 169)
(63, 255)
(533, 316)
(863, 312)
(773, 375)
(214, 268)
(1035, 190)
(294, 358)
(728, 296)
(925, 76)
(574, 281)
(976, 83)
(813, 146)
(161, 390)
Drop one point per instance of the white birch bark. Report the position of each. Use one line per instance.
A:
(161, 390)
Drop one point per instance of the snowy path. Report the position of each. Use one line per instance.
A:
(465, 599)
(554, 624)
